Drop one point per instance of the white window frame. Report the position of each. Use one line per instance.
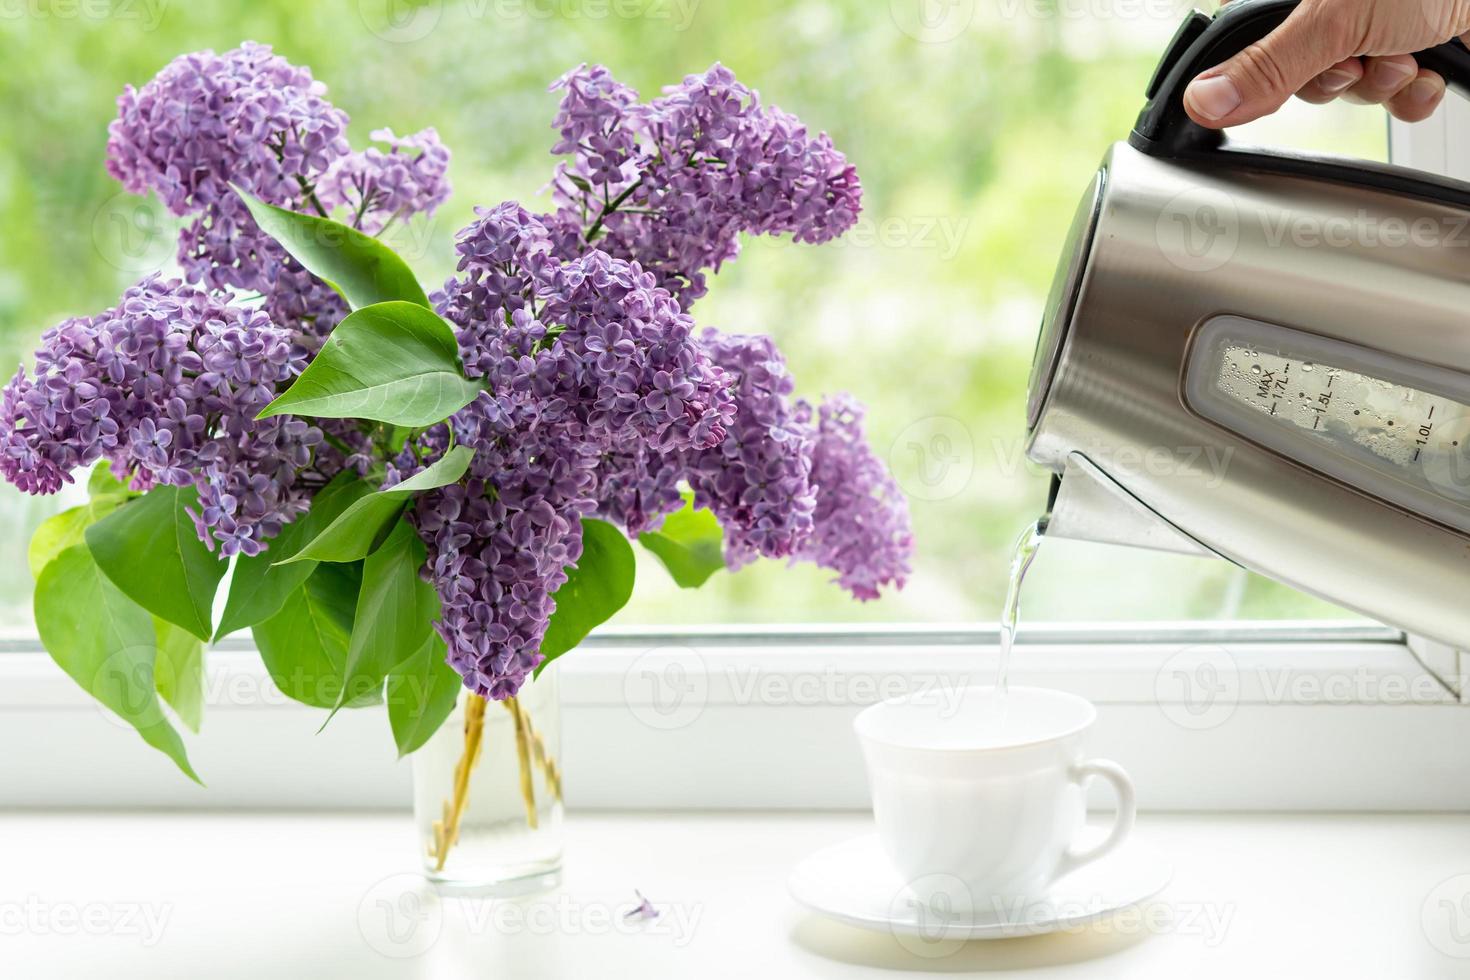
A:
(1239, 716)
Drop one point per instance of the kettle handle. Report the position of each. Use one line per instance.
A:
(1164, 129)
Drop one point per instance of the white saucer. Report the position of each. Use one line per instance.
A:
(853, 882)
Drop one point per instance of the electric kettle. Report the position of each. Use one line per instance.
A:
(1265, 356)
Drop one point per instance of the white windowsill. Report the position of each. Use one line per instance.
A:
(333, 894)
(727, 719)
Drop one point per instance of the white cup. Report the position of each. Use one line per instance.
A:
(978, 802)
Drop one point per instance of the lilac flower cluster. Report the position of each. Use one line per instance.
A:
(166, 386)
(378, 188)
(673, 183)
(206, 121)
(601, 398)
(252, 119)
(861, 524)
(583, 357)
(758, 480)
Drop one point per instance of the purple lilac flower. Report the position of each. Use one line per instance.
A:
(861, 521)
(671, 184)
(377, 186)
(758, 480)
(584, 358)
(166, 386)
(246, 117)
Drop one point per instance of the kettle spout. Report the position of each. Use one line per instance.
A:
(1088, 505)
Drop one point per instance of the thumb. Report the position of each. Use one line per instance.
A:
(1259, 80)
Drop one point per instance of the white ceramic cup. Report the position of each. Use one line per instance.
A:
(976, 810)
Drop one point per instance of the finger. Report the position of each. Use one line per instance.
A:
(1259, 80)
(1383, 78)
(1332, 82)
(1418, 100)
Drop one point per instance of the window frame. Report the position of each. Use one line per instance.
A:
(1320, 717)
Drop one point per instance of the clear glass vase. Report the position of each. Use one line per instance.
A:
(487, 794)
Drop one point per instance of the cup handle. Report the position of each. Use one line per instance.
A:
(1074, 857)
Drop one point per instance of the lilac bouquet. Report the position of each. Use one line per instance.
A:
(419, 493)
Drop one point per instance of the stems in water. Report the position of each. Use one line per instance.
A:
(446, 830)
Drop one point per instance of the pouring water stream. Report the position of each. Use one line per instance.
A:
(1022, 556)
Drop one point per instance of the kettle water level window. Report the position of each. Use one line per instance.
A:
(1396, 428)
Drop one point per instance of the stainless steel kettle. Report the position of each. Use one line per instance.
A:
(1265, 356)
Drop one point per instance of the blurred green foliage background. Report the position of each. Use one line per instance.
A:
(975, 125)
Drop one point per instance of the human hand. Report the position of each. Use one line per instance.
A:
(1357, 50)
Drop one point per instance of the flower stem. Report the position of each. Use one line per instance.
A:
(523, 755)
(446, 830)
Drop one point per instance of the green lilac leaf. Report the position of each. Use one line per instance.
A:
(304, 645)
(261, 582)
(394, 362)
(422, 692)
(106, 643)
(367, 522)
(394, 610)
(690, 544)
(597, 586)
(359, 267)
(150, 550)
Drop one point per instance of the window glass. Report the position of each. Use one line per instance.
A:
(974, 127)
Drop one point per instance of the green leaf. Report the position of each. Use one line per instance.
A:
(598, 585)
(101, 483)
(422, 692)
(393, 362)
(149, 549)
(690, 544)
(358, 266)
(106, 643)
(179, 671)
(304, 645)
(61, 531)
(261, 583)
(367, 522)
(394, 610)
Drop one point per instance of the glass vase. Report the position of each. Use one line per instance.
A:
(488, 795)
